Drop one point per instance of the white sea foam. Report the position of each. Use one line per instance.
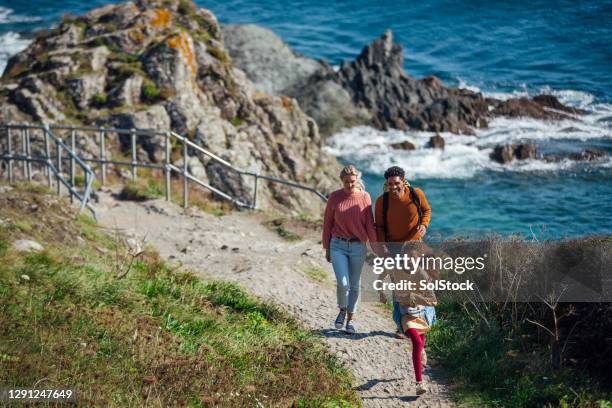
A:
(7, 16)
(464, 156)
(10, 44)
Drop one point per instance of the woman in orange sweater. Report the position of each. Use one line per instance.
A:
(348, 225)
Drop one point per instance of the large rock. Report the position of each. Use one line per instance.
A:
(163, 65)
(154, 118)
(405, 145)
(374, 89)
(436, 142)
(508, 152)
(266, 59)
(26, 245)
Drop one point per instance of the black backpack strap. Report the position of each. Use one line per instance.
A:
(385, 210)
(417, 202)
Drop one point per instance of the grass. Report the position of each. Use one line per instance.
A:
(149, 92)
(316, 273)
(156, 337)
(490, 369)
(100, 99)
(278, 226)
(142, 190)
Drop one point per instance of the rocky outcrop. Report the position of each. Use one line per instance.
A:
(587, 155)
(405, 145)
(375, 89)
(163, 65)
(254, 46)
(276, 70)
(506, 153)
(436, 142)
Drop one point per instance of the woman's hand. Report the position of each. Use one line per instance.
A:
(422, 230)
(327, 255)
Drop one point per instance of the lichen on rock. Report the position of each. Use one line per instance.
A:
(163, 65)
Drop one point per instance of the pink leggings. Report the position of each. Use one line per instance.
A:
(418, 342)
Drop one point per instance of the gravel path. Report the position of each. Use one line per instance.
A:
(239, 248)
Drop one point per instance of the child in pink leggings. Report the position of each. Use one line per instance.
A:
(415, 327)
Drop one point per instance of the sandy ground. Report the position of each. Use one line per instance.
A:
(237, 247)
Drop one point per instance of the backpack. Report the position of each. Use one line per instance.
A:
(385, 206)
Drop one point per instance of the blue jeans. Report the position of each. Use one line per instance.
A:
(430, 315)
(347, 259)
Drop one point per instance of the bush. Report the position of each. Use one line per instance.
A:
(186, 7)
(100, 99)
(149, 92)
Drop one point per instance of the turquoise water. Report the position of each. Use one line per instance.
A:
(503, 49)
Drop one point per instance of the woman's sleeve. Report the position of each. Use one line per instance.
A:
(328, 222)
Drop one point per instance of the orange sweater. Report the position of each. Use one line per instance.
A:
(402, 217)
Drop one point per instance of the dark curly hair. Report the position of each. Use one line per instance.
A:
(395, 171)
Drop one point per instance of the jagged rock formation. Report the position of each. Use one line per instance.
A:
(374, 89)
(523, 151)
(162, 64)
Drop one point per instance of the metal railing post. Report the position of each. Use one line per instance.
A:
(167, 167)
(103, 155)
(59, 166)
(185, 179)
(133, 134)
(72, 161)
(47, 155)
(10, 153)
(29, 153)
(255, 191)
(24, 154)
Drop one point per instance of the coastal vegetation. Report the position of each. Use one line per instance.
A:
(108, 317)
(537, 331)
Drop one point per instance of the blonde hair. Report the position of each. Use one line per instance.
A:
(351, 170)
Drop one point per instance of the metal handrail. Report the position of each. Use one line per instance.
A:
(168, 167)
(247, 173)
(46, 160)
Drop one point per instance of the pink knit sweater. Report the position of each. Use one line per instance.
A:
(348, 216)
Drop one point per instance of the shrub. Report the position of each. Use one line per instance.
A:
(100, 99)
(149, 92)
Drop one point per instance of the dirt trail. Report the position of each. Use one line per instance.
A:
(239, 248)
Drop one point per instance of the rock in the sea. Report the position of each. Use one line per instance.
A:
(436, 142)
(525, 151)
(26, 245)
(503, 153)
(405, 145)
(508, 152)
(587, 155)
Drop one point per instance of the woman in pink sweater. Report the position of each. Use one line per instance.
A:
(347, 226)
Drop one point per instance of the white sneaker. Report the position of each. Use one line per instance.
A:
(420, 388)
(350, 329)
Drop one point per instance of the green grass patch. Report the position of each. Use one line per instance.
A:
(149, 92)
(316, 273)
(155, 337)
(278, 226)
(142, 190)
